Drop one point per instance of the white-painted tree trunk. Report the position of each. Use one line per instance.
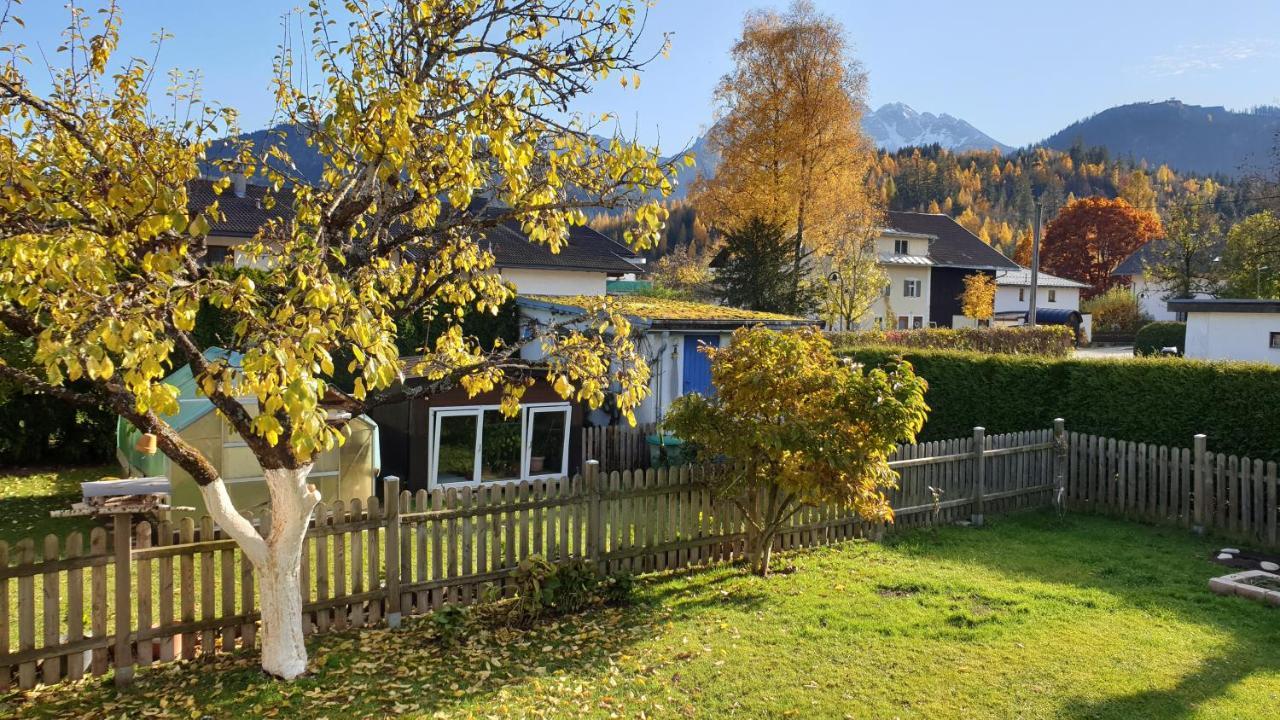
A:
(277, 558)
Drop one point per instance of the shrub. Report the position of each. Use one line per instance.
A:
(450, 622)
(1154, 337)
(1115, 312)
(1155, 400)
(1047, 340)
(544, 589)
(36, 429)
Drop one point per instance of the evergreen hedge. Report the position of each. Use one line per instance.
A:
(1048, 340)
(1154, 337)
(1153, 400)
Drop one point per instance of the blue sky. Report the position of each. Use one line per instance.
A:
(1018, 71)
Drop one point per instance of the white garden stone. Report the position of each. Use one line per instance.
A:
(1225, 556)
(1269, 566)
(1233, 551)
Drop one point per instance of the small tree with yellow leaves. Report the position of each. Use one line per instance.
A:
(978, 301)
(436, 122)
(800, 427)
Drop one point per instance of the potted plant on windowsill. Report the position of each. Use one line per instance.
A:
(536, 464)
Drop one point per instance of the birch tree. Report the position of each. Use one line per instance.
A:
(789, 134)
(436, 121)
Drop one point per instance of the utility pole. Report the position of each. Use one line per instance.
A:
(1035, 270)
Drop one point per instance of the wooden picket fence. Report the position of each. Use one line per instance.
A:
(147, 593)
(1224, 494)
(618, 447)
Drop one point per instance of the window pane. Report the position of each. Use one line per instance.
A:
(456, 454)
(500, 447)
(546, 444)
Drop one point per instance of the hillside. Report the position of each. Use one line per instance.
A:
(1189, 138)
(993, 194)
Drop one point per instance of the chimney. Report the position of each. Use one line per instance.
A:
(238, 182)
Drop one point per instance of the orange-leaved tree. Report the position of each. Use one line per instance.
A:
(802, 428)
(1091, 236)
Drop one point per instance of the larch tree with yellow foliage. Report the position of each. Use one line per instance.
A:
(801, 427)
(978, 301)
(436, 121)
(789, 136)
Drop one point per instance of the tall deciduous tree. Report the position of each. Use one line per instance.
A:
(436, 122)
(1090, 236)
(1253, 257)
(789, 134)
(757, 272)
(1187, 260)
(802, 427)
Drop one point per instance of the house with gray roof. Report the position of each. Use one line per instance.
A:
(926, 257)
(1152, 295)
(582, 267)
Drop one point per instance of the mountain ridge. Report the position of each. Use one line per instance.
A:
(1203, 139)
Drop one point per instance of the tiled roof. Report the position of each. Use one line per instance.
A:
(665, 312)
(242, 215)
(954, 246)
(586, 249)
(1137, 261)
(1022, 278)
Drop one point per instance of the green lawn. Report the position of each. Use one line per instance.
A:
(27, 496)
(1030, 617)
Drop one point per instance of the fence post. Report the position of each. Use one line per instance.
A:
(124, 595)
(391, 514)
(1200, 471)
(1060, 454)
(595, 528)
(979, 475)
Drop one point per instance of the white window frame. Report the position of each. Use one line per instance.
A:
(901, 247)
(527, 411)
(1053, 295)
(1022, 294)
(912, 288)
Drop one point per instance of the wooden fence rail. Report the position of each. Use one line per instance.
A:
(618, 447)
(154, 592)
(1227, 495)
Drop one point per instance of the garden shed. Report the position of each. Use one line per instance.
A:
(344, 473)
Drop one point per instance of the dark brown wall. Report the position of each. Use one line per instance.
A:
(403, 427)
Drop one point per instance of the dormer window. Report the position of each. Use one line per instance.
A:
(901, 247)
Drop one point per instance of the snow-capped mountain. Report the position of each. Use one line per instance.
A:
(896, 125)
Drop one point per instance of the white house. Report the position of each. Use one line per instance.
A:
(1013, 289)
(927, 256)
(1152, 295)
(1227, 329)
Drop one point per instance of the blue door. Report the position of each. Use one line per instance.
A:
(697, 366)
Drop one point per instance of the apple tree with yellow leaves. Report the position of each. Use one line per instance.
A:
(436, 122)
(800, 428)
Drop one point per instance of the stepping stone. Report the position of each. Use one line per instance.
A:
(1225, 556)
(1232, 551)
(1269, 566)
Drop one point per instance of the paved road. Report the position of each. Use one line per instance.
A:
(1110, 352)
